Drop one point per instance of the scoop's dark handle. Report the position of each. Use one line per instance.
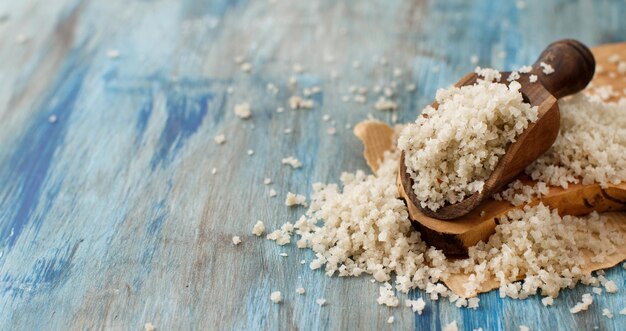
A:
(573, 65)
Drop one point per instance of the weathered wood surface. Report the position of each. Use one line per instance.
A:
(110, 217)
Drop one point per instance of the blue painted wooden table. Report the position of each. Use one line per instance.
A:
(110, 215)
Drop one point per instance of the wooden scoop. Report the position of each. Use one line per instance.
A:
(574, 66)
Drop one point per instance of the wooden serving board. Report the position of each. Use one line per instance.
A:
(456, 236)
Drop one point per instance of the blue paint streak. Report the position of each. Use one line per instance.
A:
(145, 111)
(184, 116)
(33, 155)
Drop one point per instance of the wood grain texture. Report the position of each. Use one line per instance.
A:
(110, 217)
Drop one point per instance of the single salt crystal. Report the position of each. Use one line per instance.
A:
(606, 312)
(300, 290)
(397, 72)
(525, 69)
(246, 67)
(250, 152)
(523, 328)
(302, 261)
(292, 161)
(297, 68)
(326, 117)
(267, 181)
(614, 58)
(230, 90)
(451, 327)
(258, 228)
(547, 69)
(547, 301)
(220, 139)
(295, 199)
(113, 53)
(359, 98)
(273, 193)
(213, 171)
(474, 59)
(331, 131)
(321, 302)
(284, 254)
(21, 39)
(416, 305)
(623, 311)
(239, 59)
(532, 78)
(242, 110)
(52, 118)
(276, 297)
(390, 320)
(610, 287)
(236, 240)
(148, 327)
(411, 87)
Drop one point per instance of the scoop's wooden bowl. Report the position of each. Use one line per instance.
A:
(574, 66)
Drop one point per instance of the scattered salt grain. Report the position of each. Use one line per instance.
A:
(473, 303)
(236, 240)
(297, 68)
(451, 327)
(246, 67)
(276, 297)
(513, 76)
(283, 254)
(587, 300)
(287, 130)
(359, 98)
(220, 139)
(292, 161)
(295, 199)
(331, 131)
(606, 312)
(258, 228)
(397, 72)
(547, 69)
(21, 39)
(326, 117)
(113, 53)
(521, 5)
(273, 193)
(242, 110)
(213, 171)
(523, 328)
(614, 58)
(416, 305)
(525, 69)
(547, 301)
(597, 290)
(297, 102)
(149, 327)
(250, 152)
(610, 286)
(474, 59)
(300, 290)
(385, 104)
(52, 118)
(386, 296)
(239, 59)
(411, 87)
(320, 302)
(390, 320)
(532, 78)
(280, 109)
(623, 311)
(267, 181)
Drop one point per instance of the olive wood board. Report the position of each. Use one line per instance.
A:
(455, 236)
